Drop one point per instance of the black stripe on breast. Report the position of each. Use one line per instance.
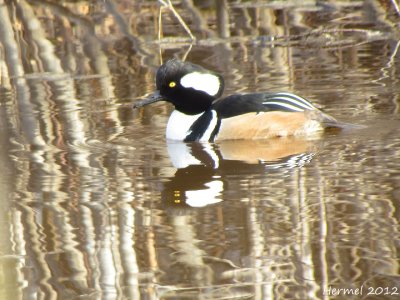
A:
(199, 127)
(215, 131)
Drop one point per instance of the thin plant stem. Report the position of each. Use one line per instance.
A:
(160, 32)
(170, 6)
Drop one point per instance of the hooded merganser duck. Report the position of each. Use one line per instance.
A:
(202, 115)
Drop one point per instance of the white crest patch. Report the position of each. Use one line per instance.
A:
(205, 82)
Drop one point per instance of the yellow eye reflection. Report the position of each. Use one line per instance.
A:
(172, 84)
(177, 197)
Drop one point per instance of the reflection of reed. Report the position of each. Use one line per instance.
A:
(85, 217)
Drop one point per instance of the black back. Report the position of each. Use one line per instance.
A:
(238, 104)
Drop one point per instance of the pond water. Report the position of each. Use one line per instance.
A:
(96, 204)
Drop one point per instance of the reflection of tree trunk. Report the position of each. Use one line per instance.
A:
(257, 247)
(48, 61)
(15, 68)
(323, 233)
(222, 19)
(123, 26)
(29, 123)
(127, 243)
(188, 253)
(199, 22)
(11, 275)
(99, 63)
(63, 89)
(302, 246)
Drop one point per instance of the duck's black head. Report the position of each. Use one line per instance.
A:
(191, 88)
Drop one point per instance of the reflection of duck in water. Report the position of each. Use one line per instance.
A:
(202, 168)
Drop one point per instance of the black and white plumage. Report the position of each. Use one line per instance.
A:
(202, 115)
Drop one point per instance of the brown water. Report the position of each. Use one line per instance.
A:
(95, 204)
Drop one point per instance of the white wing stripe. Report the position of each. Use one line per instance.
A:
(283, 104)
(294, 98)
(293, 102)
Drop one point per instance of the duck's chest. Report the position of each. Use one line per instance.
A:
(201, 127)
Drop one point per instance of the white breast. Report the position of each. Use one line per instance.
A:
(178, 127)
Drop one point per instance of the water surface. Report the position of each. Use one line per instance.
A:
(96, 204)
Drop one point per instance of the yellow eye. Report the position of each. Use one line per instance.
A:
(172, 84)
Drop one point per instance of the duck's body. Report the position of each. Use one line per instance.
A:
(201, 115)
(249, 116)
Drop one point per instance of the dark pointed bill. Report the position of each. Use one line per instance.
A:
(151, 99)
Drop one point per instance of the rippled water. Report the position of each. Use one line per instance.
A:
(97, 205)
